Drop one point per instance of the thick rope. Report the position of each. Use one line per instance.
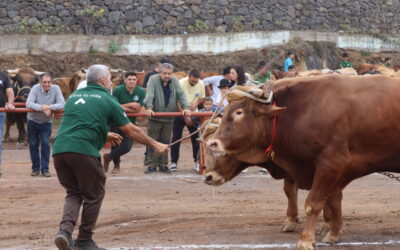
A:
(266, 101)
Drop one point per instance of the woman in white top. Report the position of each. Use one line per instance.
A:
(238, 77)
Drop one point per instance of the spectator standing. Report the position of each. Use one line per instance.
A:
(262, 75)
(163, 93)
(345, 63)
(83, 132)
(194, 91)
(288, 61)
(6, 101)
(45, 98)
(130, 97)
(155, 71)
(212, 83)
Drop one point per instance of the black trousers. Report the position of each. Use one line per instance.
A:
(177, 130)
(121, 149)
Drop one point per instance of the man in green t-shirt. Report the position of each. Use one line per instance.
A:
(84, 130)
(345, 63)
(262, 75)
(131, 97)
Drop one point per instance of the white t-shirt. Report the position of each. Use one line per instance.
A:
(82, 84)
(224, 103)
(214, 82)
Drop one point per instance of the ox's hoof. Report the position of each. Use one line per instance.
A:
(305, 245)
(330, 239)
(289, 226)
(325, 229)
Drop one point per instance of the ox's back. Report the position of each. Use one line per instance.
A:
(351, 114)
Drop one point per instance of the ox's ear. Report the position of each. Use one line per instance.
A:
(269, 109)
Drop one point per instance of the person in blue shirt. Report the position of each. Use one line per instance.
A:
(289, 61)
(208, 105)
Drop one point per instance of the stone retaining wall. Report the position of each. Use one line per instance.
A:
(116, 17)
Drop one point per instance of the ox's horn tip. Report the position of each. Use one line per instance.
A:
(256, 92)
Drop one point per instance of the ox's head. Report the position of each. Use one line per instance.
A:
(23, 82)
(245, 130)
(220, 168)
(76, 78)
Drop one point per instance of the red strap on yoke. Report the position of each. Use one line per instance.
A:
(273, 133)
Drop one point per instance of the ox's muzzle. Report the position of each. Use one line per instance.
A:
(214, 179)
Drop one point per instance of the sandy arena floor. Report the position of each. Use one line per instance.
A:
(178, 211)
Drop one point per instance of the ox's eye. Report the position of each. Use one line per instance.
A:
(238, 114)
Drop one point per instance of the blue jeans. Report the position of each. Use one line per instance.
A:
(39, 133)
(2, 116)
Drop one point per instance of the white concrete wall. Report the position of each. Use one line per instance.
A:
(186, 44)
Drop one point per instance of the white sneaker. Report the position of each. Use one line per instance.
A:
(262, 171)
(196, 166)
(173, 167)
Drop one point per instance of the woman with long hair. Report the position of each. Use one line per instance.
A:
(238, 77)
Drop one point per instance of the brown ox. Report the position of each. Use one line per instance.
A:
(367, 68)
(316, 72)
(117, 77)
(222, 164)
(179, 74)
(377, 69)
(334, 129)
(140, 77)
(63, 83)
(76, 78)
(22, 82)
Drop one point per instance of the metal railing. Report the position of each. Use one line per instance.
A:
(20, 108)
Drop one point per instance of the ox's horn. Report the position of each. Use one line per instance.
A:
(12, 71)
(268, 89)
(38, 73)
(117, 71)
(83, 70)
(256, 92)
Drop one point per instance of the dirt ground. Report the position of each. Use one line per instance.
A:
(178, 211)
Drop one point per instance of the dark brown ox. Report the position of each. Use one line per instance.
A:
(221, 165)
(22, 83)
(334, 129)
(368, 69)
